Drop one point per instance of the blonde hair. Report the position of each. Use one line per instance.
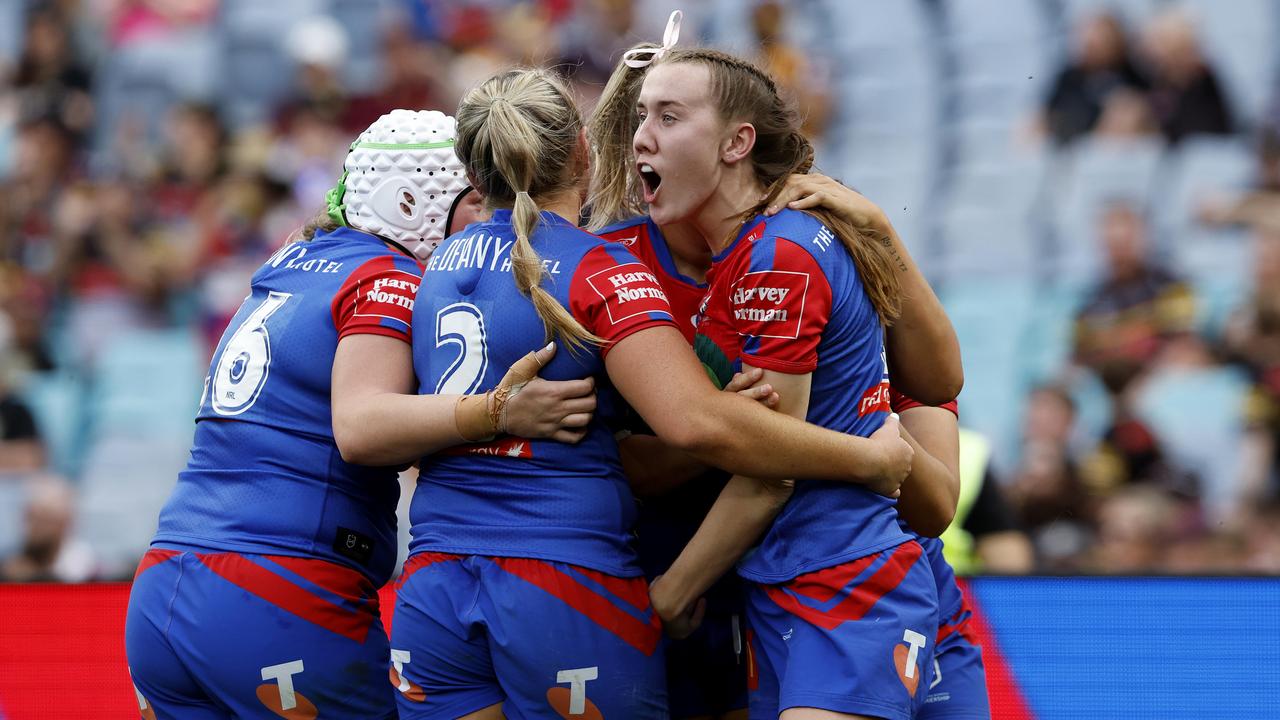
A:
(615, 189)
(517, 135)
(322, 222)
(743, 92)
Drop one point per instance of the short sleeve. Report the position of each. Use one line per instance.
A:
(614, 295)
(900, 402)
(779, 302)
(377, 299)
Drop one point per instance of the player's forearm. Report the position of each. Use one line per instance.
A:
(654, 467)
(740, 515)
(929, 494)
(393, 429)
(923, 350)
(741, 437)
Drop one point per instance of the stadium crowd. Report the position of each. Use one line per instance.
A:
(1106, 233)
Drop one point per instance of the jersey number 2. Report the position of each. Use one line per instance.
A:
(246, 360)
(462, 324)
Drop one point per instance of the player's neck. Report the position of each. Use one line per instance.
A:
(737, 192)
(689, 251)
(566, 204)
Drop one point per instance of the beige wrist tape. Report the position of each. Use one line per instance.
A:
(471, 416)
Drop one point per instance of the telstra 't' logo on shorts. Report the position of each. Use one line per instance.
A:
(906, 659)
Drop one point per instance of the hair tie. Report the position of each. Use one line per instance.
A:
(641, 57)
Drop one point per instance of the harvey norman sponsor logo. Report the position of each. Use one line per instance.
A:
(629, 290)
(769, 303)
(394, 291)
(388, 297)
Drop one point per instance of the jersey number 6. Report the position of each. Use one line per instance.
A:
(246, 360)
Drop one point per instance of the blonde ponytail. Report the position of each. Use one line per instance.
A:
(517, 133)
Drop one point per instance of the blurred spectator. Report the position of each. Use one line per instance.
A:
(595, 36)
(48, 553)
(796, 70)
(318, 46)
(1000, 543)
(25, 301)
(49, 78)
(1205, 554)
(308, 156)
(132, 21)
(1127, 316)
(1131, 453)
(116, 269)
(1126, 116)
(249, 220)
(1260, 205)
(21, 449)
(1252, 340)
(984, 536)
(1185, 93)
(1262, 541)
(1046, 490)
(1093, 80)
(43, 165)
(413, 75)
(1134, 528)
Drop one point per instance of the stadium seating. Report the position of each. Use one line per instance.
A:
(12, 24)
(1197, 414)
(1134, 13)
(1092, 174)
(365, 21)
(13, 498)
(56, 402)
(1200, 168)
(125, 483)
(256, 71)
(140, 81)
(169, 364)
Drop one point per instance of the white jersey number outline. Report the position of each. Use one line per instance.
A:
(462, 324)
(245, 363)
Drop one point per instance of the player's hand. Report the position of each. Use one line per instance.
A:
(803, 192)
(677, 622)
(537, 408)
(896, 455)
(747, 384)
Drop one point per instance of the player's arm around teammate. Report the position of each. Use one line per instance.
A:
(731, 431)
(653, 467)
(924, 352)
(932, 490)
(379, 420)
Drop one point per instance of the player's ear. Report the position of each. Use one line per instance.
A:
(738, 143)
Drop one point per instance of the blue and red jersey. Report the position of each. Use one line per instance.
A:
(265, 475)
(950, 600)
(786, 296)
(515, 497)
(645, 239)
(667, 523)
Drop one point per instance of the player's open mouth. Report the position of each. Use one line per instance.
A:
(652, 181)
